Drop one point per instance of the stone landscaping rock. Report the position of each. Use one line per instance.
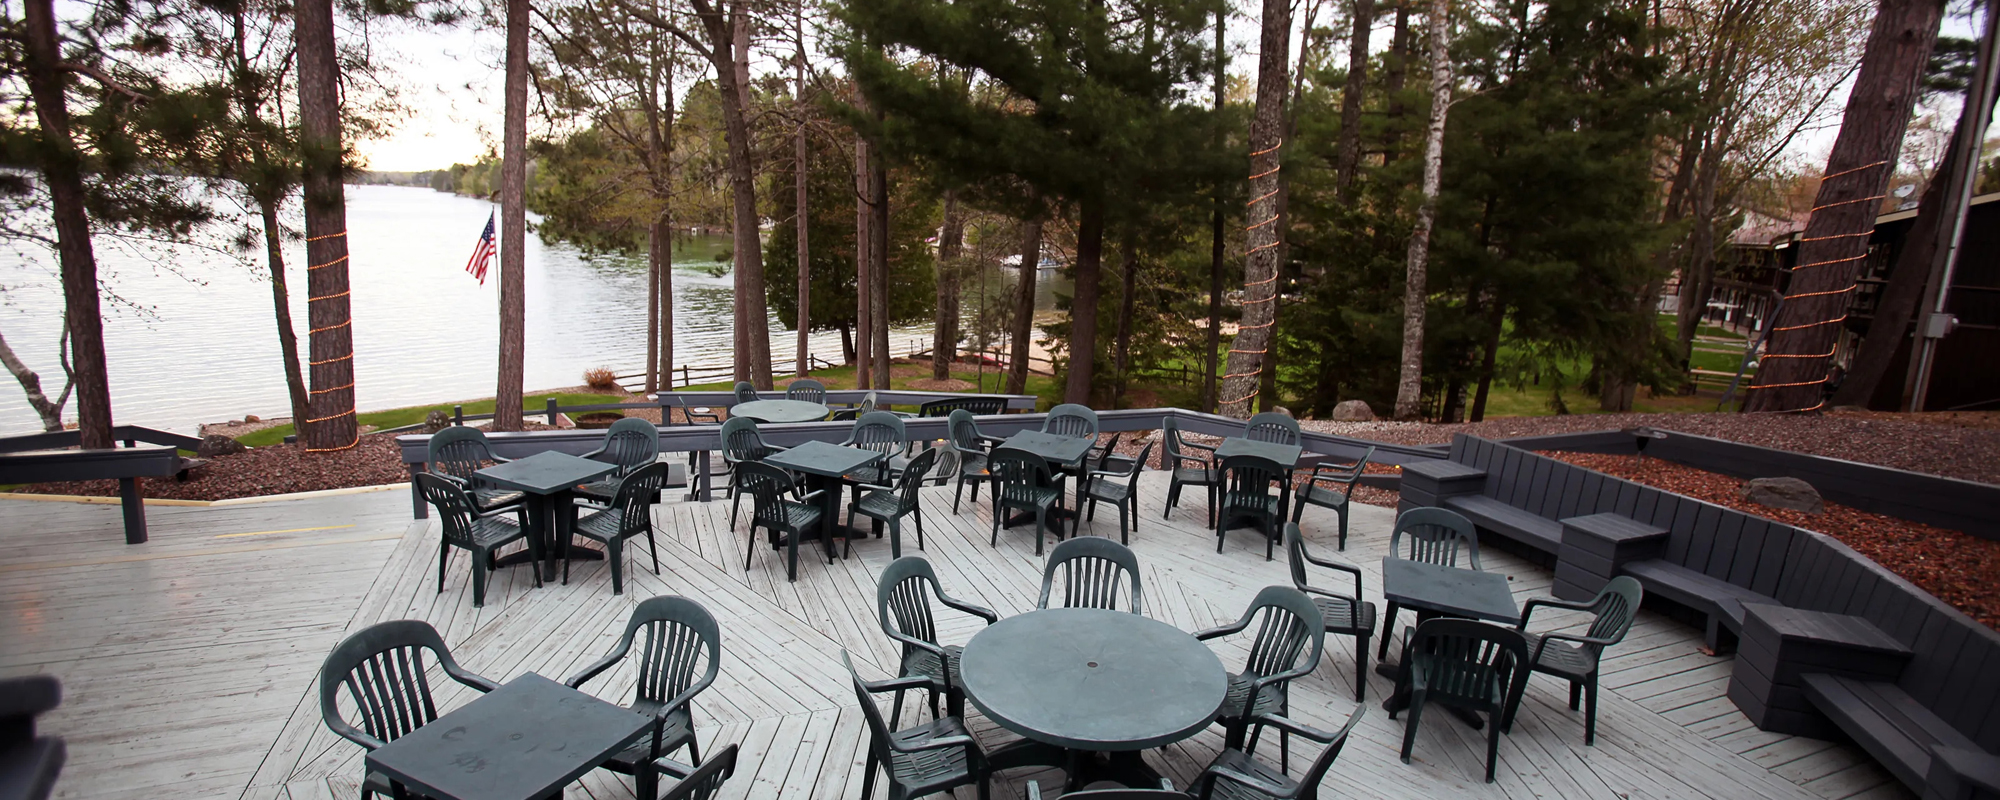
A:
(1790, 493)
(215, 445)
(249, 419)
(436, 421)
(1353, 411)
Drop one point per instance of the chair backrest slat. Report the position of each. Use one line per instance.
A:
(971, 405)
(454, 506)
(1094, 571)
(879, 431)
(903, 598)
(807, 390)
(745, 392)
(458, 451)
(767, 486)
(1469, 662)
(1251, 481)
(1272, 426)
(705, 783)
(382, 672)
(680, 647)
(913, 479)
(634, 499)
(1016, 473)
(1073, 420)
(631, 443)
(965, 432)
(1435, 536)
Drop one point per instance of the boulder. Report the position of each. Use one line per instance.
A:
(436, 421)
(1790, 493)
(214, 445)
(250, 419)
(1353, 411)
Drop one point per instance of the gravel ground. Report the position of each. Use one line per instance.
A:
(1964, 446)
(1959, 568)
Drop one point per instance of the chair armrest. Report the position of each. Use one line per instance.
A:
(1290, 725)
(1182, 441)
(1550, 637)
(939, 743)
(930, 647)
(599, 666)
(811, 495)
(595, 453)
(341, 728)
(896, 684)
(1350, 569)
(497, 459)
(464, 676)
(1256, 784)
(878, 487)
(1528, 608)
(672, 769)
(978, 611)
(1223, 630)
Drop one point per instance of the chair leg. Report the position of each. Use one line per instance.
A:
(1410, 725)
(997, 510)
(479, 578)
(615, 551)
(957, 493)
(1173, 498)
(868, 776)
(918, 512)
(752, 549)
(1211, 505)
(1575, 695)
(1590, 713)
(1388, 626)
(792, 556)
(655, 547)
(1041, 528)
(1342, 511)
(1284, 751)
(896, 709)
(1492, 745)
(444, 553)
(1361, 670)
(895, 539)
(1123, 537)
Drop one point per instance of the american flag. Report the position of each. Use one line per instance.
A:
(482, 255)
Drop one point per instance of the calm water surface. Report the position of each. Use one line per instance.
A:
(204, 348)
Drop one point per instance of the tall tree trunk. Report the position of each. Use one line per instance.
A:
(1024, 306)
(62, 168)
(1409, 381)
(1083, 307)
(1698, 276)
(753, 330)
(660, 234)
(331, 425)
(1209, 371)
(864, 217)
(951, 241)
(1836, 237)
(1128, 250)
(245, 86)
(659, 254)
(878, 251)
(1397, 66)
(281, 305)
(1348, 153)
(800, 173)
(507, 399)
(1260, 268)
(1496, 318)
(31, 384)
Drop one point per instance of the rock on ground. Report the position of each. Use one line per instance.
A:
(1791, 493)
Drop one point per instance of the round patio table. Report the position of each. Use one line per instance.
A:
(780, 411)
(1080, 681)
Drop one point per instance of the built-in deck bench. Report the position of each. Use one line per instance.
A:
(51, 458)
(29, 763)
(1832, 644)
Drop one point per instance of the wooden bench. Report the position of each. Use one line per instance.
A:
(1537, 532)
(1917, 746)
(1720, 601)
(1781, 645)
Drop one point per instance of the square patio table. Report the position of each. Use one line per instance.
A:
(527, 739)
(825, 467)
(1286, 454)
(1434, 590)
(1062, 452)
(552, 478)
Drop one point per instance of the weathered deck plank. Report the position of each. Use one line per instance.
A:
(190, 661)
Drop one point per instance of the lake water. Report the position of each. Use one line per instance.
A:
(204, 348)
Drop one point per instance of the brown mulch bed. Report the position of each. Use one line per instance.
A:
(1960, 445)
(260, 471)
(1959, 568)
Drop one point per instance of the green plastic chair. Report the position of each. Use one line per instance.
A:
(932, 758)
(1287, 644)
(1575, 658)
(1253, 488)
(889, 505)
(456, 453)
(1095, 572)
(479, 533)
(1238, 775)
(1023, 481)
(1344, 614)
(1473, 665)
(883, 433)
(973, 448)
(1120, 489)
(381, 669)
(679, 656)
(741, 444)
(903, 605)
(1329, 486)
(1187, 469)
(698, 783)
(630, 514)
(769, 488)
(1276, 427)
(630, 443)
(806, 390)
(745, 392)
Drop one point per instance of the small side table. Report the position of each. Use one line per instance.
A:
(1595, 546)
(1781, 644)
(1427, 483)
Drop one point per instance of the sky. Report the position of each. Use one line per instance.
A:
(454, 88)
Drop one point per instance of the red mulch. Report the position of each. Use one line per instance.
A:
(260, 471)
(1959, 568)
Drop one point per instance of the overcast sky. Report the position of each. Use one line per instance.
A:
(453, 84)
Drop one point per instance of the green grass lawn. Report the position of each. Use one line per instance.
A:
(398, 417)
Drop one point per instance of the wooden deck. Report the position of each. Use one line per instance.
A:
(189, 662)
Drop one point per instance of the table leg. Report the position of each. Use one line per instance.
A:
(829, 507)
